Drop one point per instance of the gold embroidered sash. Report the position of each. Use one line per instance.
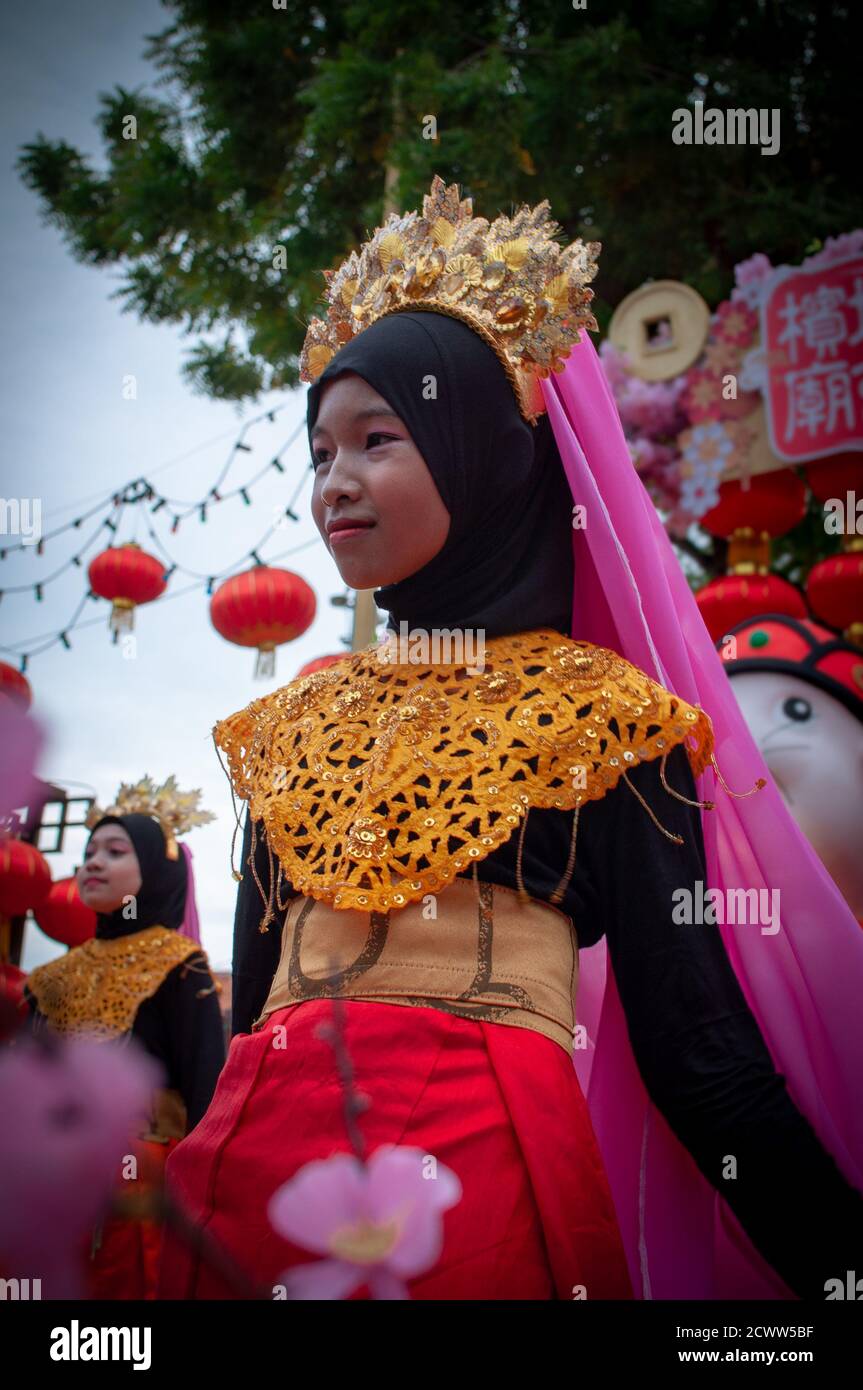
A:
(96, 989)
(379, 782)
(483, 955)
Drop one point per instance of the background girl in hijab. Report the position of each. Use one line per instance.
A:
(139, 977)
(502, 1106)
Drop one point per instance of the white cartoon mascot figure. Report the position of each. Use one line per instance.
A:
(800, 687)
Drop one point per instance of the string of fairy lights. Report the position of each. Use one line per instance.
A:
(140, 493)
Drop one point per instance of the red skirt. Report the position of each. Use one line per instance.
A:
(501, 1106)
(123, 1260)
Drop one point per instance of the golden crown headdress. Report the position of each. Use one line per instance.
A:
(511, 281)
(176, 811)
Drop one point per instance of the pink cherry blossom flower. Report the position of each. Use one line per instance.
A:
(69, 1112)
(378, 1223)
(699, 494)
(707, 447)
(703, 396)
(751, 277)
(651, 407)
(753, 270)
(615, 364)
(736, 323)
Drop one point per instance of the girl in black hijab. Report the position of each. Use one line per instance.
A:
(137, 978)
(477, 1071)
(506, 565)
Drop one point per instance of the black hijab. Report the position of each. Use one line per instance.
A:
(506, 565)
(161, 899)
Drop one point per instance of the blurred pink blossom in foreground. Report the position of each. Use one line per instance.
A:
(379, 1223)
(21, 740)
(69, 1111)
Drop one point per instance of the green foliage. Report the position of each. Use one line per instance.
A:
(275, 128)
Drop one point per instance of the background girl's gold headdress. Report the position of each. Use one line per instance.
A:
(175, 811)
(510, 281)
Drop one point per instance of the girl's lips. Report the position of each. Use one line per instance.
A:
(346, 533)
(92, 879)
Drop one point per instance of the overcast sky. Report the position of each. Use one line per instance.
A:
(69, 435)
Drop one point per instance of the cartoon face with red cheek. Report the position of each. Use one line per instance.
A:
(800, 688)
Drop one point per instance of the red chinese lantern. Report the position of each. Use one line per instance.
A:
(836, 476)
(263, 607)
(320, 663)
(731, 600)
(126, 575)
(25, 881)
(835, 592)
(13, 1005)
(63, 916)
(840, 480)
(15, 686)
(748, 516)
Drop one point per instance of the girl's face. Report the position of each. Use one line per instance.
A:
(368, 471)
(110, 871)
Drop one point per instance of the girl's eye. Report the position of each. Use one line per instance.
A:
(318, 456)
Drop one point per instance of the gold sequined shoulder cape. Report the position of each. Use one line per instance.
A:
(96, 989)
(379, 782)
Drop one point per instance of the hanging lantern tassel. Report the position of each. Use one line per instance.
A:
(265, 665)
(122, 617)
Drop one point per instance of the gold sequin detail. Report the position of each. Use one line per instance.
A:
(414, 785)
(96, 989)
(512, 282)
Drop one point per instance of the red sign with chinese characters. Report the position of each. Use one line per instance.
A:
(812, 333)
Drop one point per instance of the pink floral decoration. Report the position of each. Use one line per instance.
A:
(652, 416)
(377, 1224)
(838, 248)
(736, 323)
(720, 357)
(21, 741)
(750, 276)
(703, 396)
(707, 450)
(70, 1110)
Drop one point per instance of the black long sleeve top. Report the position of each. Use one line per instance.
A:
(698, 1047)
(183, 1032)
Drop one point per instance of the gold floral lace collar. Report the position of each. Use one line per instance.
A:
(378, 783)
(96, 989)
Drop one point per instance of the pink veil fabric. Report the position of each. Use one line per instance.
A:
(190, 925)
(804, 984)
